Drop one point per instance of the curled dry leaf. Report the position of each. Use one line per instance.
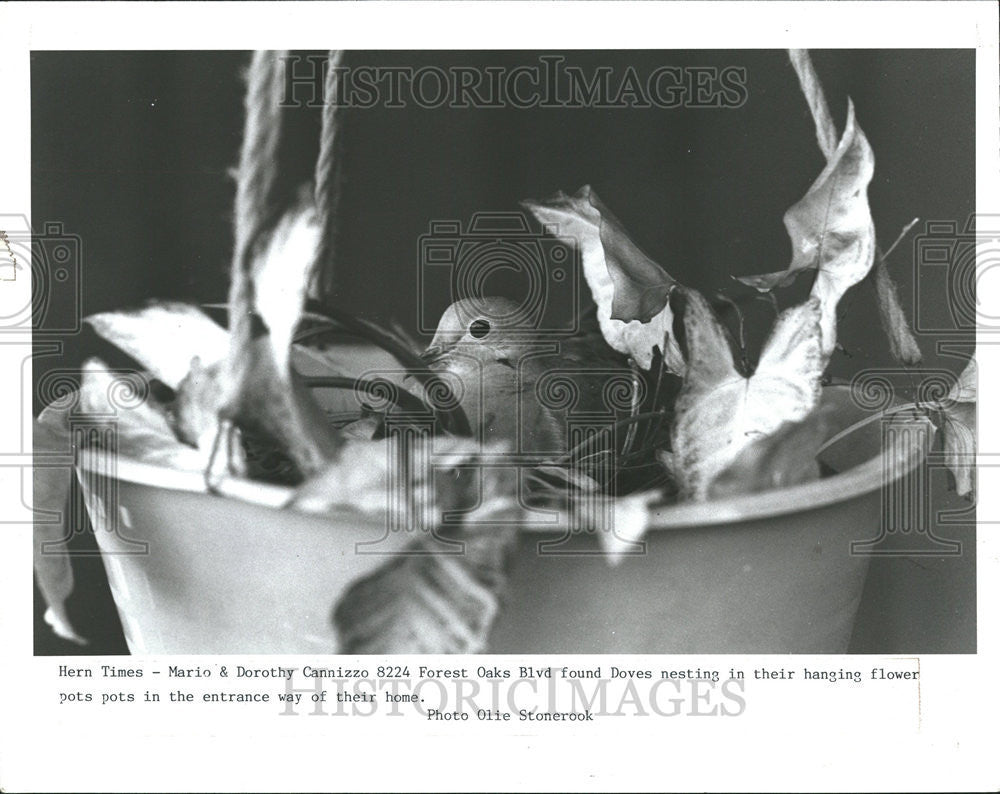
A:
(52, 482)
(181, 346)
(141, 431)
(786, 457)
(443, 591)
(902, 342)
(831, 229)
(630, 522)
(142, 426)
(631, 291)
(719, 412)
(163, 337)
(428, 601)
(959, 430)
(258, 388)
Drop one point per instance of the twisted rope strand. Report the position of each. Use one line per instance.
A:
(826, 130)
(256, 202)
(329, 177)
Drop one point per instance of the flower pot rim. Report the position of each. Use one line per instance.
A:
(872, 474)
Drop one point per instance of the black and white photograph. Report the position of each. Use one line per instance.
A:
(527, 395)
(507, 352)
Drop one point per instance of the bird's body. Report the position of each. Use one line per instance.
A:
(539, 394)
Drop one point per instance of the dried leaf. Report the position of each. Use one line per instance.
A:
(902, 343)
(631, 291)
(258, 388)
(631, 520)
(53, 571)
(139, 429)
(719, 412)
(164, 337)
(435, 596)
(384, 477)
(966, 388)
(427, 602)
(281, 279)
(181, 346)
(831, 229)
(198, 402)
(142, 429)
(959, 430)
(786, 457)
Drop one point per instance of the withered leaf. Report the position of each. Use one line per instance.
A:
(139, 430)
(631, 291)
(50, 530)
(719, 412)
(258, 387)
(959, 430)
(163, 337)
(428, 601)
(441, 593)
(142, 428)
(831, 229)
(179, 345)
(631, 520)
(786, 457)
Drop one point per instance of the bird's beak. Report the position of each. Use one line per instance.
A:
(432, 354)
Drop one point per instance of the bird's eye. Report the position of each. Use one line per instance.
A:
(479, 328)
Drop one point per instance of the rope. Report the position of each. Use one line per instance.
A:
(826, 130)
(902, 343)
(257, 177)
(329, 177)
(256, 204)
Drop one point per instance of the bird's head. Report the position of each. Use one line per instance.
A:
(483, 328)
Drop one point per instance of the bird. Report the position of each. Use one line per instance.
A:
(539, 393)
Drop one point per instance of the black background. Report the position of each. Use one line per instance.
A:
(132, 152)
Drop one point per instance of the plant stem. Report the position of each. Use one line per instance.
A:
(379, 387)
(583, 445)
(454, 418)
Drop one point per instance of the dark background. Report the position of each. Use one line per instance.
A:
(132, 152)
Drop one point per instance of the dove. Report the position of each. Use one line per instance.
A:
(525, 387)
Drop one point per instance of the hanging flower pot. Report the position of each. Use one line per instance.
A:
(770, 572)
